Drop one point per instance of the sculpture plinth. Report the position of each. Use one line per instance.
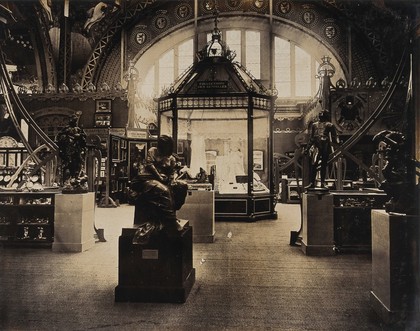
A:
(394, 262)
(318, 224)
(74, 222)
(159, 271)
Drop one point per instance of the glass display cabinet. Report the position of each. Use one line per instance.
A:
(221, 120)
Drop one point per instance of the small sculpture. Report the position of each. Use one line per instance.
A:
(322, 135)
(157, 194)
(71, 142)
(202, 176)
(397, 183)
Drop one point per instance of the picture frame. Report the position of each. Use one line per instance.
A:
(102, 120)
(103, 167)
(211, 156)
(103, 106)
(137, 155)
(258, 160)
(115, 149)
(123, 155)
(180, 147)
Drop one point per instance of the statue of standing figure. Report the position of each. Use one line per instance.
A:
(71, 141)
(322, 135)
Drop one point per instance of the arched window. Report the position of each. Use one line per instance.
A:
(295, 69)
(166, 70)
(303, 73)
(185, 56)
(282, 72)
(147, 84)
(233, 40)
(253, 53)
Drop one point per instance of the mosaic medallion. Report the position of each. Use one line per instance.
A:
(259, 5)
(233, 4)
(183, 11)
(161, 22)
(283, 7)
(139, 36)
(209, 5)
(308, 17)
(331, 31)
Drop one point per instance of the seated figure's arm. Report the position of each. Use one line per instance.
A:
(150, 165)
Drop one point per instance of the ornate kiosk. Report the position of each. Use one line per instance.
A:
(221, 120)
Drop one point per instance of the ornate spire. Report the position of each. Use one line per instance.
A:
(216, 47)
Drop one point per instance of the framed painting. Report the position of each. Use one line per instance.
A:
(115, 149)
(103, 106)
(258, 158)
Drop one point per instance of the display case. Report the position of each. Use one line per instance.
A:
(126, 157)
(198, 209)
(226, 116)
(352, 218)
(27, 218)
(118, 168)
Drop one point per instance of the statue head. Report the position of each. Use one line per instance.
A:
(165, 145)
(73, 120)
(323, 116)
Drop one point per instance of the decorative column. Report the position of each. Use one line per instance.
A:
(325, 71)
(131, 77)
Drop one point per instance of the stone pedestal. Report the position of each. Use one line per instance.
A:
(159, 271)
(74, 222)
(199, 211)
(318, 224)
(394, 247)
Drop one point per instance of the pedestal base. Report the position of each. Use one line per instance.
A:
(74, 222)
(394, 243)
(156, 294)
(317, 250)
(199, 211)
(160, 271)
(318, 224)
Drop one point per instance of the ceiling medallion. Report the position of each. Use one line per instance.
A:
(233, 4)
(140, 35)
(161, 21)
(259, 4)
(331, 31)
(284, 7)
(308, 17)
(183, 11)
(209, 5)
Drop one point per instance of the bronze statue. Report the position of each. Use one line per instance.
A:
(322, 135)
(71, 141)
(397, 183)
(158, 194)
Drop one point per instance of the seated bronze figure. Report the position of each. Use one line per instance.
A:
(158, 195)
(397, 182)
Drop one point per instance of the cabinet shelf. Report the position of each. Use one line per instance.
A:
(28, 218)
(33, 224)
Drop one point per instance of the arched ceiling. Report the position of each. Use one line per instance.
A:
(367, 36)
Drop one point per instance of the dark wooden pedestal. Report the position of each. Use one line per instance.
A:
(160, 271)
(317, 225)
(394, 265)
